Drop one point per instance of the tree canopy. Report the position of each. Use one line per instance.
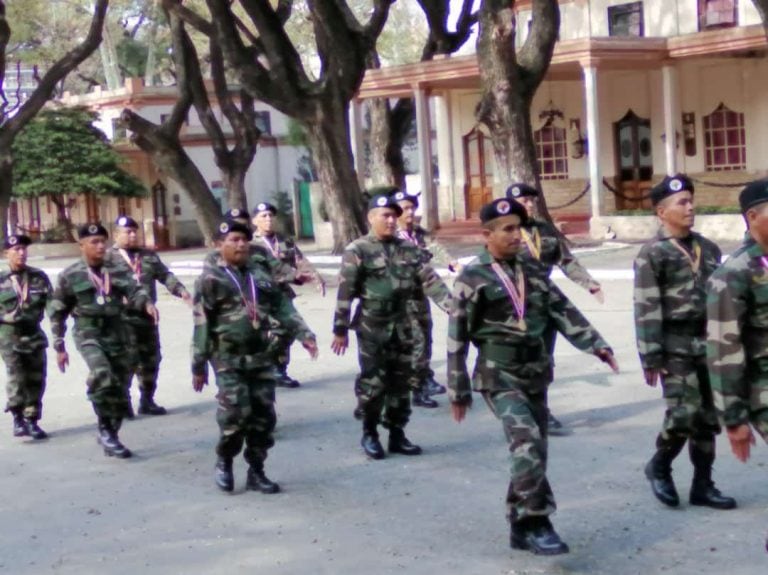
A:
(62, 152)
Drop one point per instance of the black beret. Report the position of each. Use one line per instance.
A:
(520, 190)
(90, 230)
(399, 196)
(127, 222)
(754, 193)
(16, 240)
(382, 201)
(264, 207)
(232, 226)
(236, 214)
(503, 207)
(669, 186)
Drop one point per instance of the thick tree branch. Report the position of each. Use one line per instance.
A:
(189, 16)
(536, 54)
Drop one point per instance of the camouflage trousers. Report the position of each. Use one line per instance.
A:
(283, 352)
(758, 404)
(382, 388)
(25, 380)
(246, 412)
(690, 412)
(422, 343)
(524, 419)
(107, 376)
(144, 349)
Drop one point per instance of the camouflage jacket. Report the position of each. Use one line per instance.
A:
(285, 250)
(737, 333)
(20, 320)
(384, 276)
(432, 250)
(224, 333)
(541, 243)
(96, 316)
(147, 269)
(510, 354)
(670, 298)
(260, 257)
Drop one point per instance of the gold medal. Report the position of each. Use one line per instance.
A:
(100, 299)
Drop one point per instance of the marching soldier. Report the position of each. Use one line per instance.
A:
(503, 303)
(737, 328)
(384, 272)
(240, 314)
(671, 273)
(24, 293)
(285, 250)
(542, 244)
(142, 332)
(97, 292)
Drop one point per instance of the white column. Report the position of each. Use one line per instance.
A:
(424, 136)
(669, 89)
(356, 139)
(445, 165)
(593, 139)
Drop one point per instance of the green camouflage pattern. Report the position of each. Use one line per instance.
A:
(141, 332)
(737, 338)
(98, 333)
(483, 314)
(23, 342)
(552, 254)
(670, 319)
(241, 352)
(260, 257)
(387, 277)
(523, 417)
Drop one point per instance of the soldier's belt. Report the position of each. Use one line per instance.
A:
(690, 328)
(510, 353)
(97, 322)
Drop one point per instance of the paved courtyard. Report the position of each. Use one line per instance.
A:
(68, 509)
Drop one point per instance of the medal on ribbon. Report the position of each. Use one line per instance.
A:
(693, 260)
(274, 249)
(21, 287)
(102, 284)
(533, 241)
(135, 266)
(516, 293)
(251, 305)
(406, 236)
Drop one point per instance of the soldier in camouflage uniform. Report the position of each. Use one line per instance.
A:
(503, 303)
(737, 328)
(542, 243)
(384, 272)
(142, 332)
(240, 314)
(24, 293)
(288, 253)
(96, 292)
(671, 272)
(423, 382)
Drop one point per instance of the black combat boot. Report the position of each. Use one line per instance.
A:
(258, 481)
(421, 399)
(554, 426)
(659, 470)
(703, 490)
(283, 379)
(398, 443)
(109, 440)
(432, 387)
(147, 405)
(223, 475)
(19, 427)
(370, 441)
(34, 430)
(536, 534)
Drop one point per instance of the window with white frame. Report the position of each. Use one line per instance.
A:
(626, 19)
(725, 145)
(718, 14)
(551, 152)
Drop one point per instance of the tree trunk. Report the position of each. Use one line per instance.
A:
(329, 139)
(234, 181)
(6, 186)
(386, 145)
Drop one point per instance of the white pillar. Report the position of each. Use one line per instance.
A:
(593, 139)
(424, 136)
(356, 139)
(445, 165)
(669, 89)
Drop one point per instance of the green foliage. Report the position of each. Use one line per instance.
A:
(284, 205)
(61, 152)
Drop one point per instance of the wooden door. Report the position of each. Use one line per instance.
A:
(478, 169)
(634, 158)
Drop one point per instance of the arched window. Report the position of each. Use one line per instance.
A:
(725, 145)
(551, 152)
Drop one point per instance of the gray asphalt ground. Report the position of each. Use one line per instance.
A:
(65, 508)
